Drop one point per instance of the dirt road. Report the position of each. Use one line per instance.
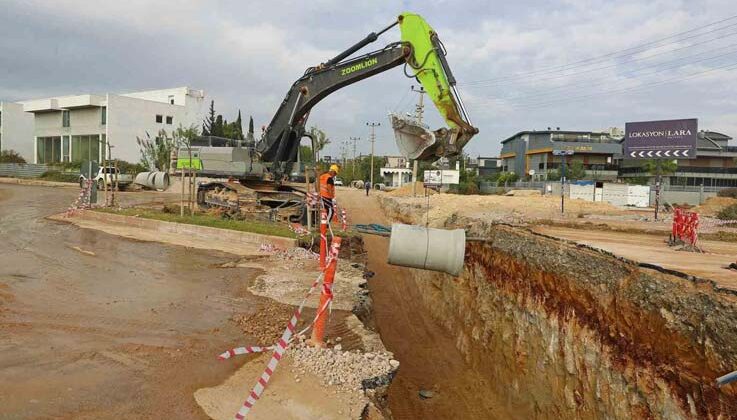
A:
(129, 332)
(428, 356)
(653, 249)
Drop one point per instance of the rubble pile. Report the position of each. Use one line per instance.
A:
(349, 370)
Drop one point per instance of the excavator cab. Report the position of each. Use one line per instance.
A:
(428, 63)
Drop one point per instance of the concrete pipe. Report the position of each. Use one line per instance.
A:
(427, 248)
(153, 180)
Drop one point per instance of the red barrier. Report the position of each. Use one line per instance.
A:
(318, 332)
(685, 227)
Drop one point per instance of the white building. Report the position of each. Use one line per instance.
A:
(16, 129)
(397, 171)
(76, 128)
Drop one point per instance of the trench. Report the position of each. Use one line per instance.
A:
(561, 331)
(556, 330)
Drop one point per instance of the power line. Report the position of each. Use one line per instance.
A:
(605, 57)
(728, 67)
(536, 80)
(563, 88)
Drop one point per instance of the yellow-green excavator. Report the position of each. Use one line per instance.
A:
(261, 167)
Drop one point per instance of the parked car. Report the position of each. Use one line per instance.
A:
(108, 176)
(338, 182)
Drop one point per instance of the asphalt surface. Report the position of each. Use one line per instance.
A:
(129, 332)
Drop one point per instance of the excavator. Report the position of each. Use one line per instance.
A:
(261, 168)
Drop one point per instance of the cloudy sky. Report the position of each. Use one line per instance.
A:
(520, 65)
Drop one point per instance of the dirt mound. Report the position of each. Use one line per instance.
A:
(713, 205)
(406, 190)
(267, 323)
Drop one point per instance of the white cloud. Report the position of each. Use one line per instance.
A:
(246, 55)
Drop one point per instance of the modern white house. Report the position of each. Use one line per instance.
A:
(78, 127)
(16, 129)
(397, 171)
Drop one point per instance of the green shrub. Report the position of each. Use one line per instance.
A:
(728, 213)
(506, 177)
(728, 192)
(130, 168)
(11, 156)
(60, 176)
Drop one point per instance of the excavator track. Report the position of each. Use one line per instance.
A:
(266, 200)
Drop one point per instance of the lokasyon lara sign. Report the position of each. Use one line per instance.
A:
(668, 139)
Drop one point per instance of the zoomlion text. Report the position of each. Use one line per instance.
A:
(360, 66)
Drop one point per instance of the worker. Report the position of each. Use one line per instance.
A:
(367, 185)
(327, 190)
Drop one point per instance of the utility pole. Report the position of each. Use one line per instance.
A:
(372, 139)
(419, 111)
(353, 166)
(344, 151)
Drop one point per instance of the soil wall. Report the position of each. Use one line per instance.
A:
(567, 332)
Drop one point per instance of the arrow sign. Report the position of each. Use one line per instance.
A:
(685, 153)
(650, 153)
(657, 153)
(667, 153)
(675, 153)
(633, 154)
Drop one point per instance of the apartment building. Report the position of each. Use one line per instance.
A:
(80, 127)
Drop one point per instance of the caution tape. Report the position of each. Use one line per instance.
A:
(83, 200)
(281, 345)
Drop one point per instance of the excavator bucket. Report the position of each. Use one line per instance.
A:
(429, 65)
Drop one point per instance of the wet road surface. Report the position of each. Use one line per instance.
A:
(129, 332)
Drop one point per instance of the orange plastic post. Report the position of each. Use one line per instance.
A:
(318, 331)
(323, 237)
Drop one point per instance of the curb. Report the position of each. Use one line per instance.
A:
(201, 232)
(38, 183)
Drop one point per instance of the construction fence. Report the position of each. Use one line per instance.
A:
(22, 170)
(614, 193)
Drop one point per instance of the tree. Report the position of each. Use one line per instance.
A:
(575, 171)
(156, 153)
(218, 129)
(306, 155)
(11, 156)
(661, 167)
(238, 128)
(207, 125)
(321, 139)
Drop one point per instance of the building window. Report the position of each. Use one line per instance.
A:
(169, 120)
(159, 118)
(65, 155)
(86, 147)
(65, 118)
(48, 149)
(103, 115)
(171, 99)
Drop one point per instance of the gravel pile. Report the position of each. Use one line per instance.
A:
(349, 370)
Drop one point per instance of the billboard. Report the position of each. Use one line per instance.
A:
(441, 177)
(669, 139)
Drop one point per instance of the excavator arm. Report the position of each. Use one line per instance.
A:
(280, 142)
(420, 49)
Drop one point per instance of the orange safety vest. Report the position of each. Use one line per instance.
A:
(326, 190)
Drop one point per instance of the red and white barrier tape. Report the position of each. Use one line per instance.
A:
(83, 200)
(281, 345)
